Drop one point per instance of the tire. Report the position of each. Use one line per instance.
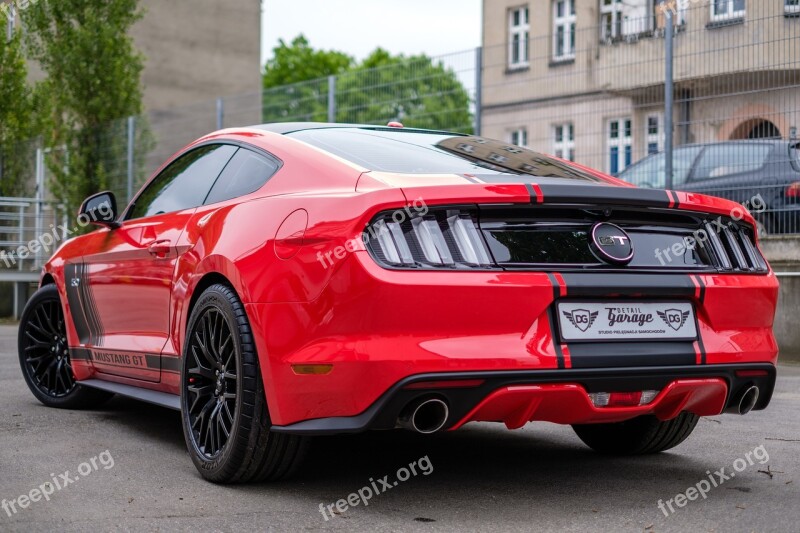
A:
(44, 355)
(640, 436)
(224, 411)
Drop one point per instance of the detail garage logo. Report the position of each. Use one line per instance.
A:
(675, 318)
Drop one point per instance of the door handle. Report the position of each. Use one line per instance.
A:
(160, 249)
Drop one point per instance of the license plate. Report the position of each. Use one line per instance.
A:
(626, 321)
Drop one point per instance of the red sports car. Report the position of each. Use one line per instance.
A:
(284, 281)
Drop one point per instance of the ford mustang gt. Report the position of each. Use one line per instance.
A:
(278, 282)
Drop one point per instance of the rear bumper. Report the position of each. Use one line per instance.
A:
(560, 396)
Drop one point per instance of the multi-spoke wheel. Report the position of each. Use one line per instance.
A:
(44, 354)
(224, 409)
(212, 378)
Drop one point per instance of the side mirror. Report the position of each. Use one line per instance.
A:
(100, 209)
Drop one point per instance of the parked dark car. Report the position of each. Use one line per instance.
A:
(764, 175)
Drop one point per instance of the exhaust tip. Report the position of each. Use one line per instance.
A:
(748, 400)
(426, 417)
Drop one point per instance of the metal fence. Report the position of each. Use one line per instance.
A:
(581, 79)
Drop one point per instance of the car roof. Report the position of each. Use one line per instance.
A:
(284, 128)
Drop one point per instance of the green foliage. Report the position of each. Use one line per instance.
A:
(415, 90)
(93, 82)
(17, 120)
(296, 83)
(299, 62)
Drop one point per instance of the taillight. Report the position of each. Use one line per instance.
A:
(442, 239)
(793, 190)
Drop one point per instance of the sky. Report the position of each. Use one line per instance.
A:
(357, 27)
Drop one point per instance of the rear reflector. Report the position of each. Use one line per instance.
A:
(793, 190)
(751, 373)
(445, 384)
(301, 370)
(622, 399)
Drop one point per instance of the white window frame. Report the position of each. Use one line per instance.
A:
(11, 20)
(564, 141)
(613, 10)
(654, 138)
(567, 24)
(791, 8)
(730, 14)
(621, 142)
(522, 32)
(519, 137)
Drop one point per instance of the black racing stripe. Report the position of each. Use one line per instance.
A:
(598, 285)
(594, 194)
(674, 196)
(639, 354)
(97, 326)
(702, 288)
(532, 192)
(552, 319)
(75, 302)
(153, 362)
(170, 364)
(556, 343)
(702, 298)
(79, 354)
(556, 286)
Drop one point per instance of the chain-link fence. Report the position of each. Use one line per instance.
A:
(581, 79)
(585, 80)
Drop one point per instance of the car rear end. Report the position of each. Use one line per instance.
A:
(503, 298)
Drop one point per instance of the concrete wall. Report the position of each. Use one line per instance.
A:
(199, 50)
(783, 254)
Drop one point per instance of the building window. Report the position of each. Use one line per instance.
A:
(611, 19)
(620, 146)
(11, 20)
(564, 141)
(792, 6)
(564, 19)
(518, 34)
(655, 134)
(519, 137)
(727, 9)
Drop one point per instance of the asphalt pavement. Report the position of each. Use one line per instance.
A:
(124, 468)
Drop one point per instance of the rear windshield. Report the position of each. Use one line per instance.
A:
(410, 152)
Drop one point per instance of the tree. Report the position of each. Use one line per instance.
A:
(296, 81)
(17, 121)
(93, 71)
(414, 90)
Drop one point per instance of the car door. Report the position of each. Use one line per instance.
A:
(125, 283)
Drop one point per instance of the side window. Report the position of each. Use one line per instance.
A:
(727, 159)
(246, 173)
(652, 171)
(183, 184)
